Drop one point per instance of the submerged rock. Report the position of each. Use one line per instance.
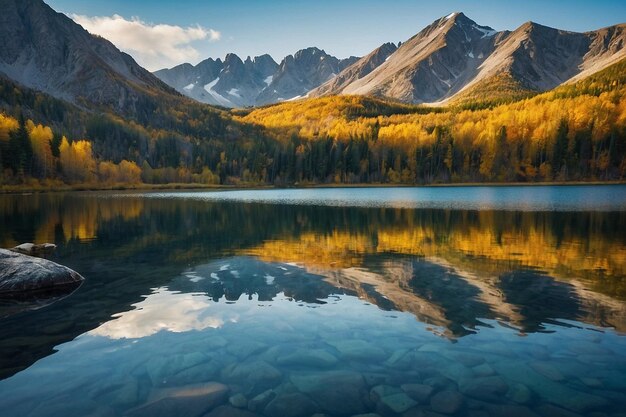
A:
(359, 350)
(398, 403)
(227, 411)
(311, 358)
(189, 401)
(238, 401)
(419, 392)
(291, 405)
(489, 388)
(337, 392)
(22, 273)
(447, 402)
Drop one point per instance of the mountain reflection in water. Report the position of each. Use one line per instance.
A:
(178, 270)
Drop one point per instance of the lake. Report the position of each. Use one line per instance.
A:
(466, 301)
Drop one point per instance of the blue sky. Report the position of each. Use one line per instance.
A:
(281, 27)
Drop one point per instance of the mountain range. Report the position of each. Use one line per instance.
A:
(255, 81)
(451, 59)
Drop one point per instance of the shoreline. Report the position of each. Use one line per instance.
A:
(213, 187)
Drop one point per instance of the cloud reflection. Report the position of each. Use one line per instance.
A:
(163, 310)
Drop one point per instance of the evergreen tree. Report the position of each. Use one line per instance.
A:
(21, 150)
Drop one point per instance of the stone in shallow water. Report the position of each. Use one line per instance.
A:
(313, 358)
(549, 410)
(399, 359)
(506, 410)
(489, 388)
(189, 401)
(292, 404)
(258, 373)
(259, 402)
(337, 392)
(591, 382)
(547, 370)
(358, 350)
(196, 374)
(398, 403)
(227, 411)
(457, 372)
(553, 392)
(160, 368)
(238, 401)
(588, 348)
(245, 348)
(381, 391)
(126, 396)
(483, 370)
(447, 402)
(419, 392)
(520, 394)
(467, 359)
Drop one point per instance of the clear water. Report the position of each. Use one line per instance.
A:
(486, 301)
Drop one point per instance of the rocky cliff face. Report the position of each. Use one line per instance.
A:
(237, 83)
(228, 83)
(300, 73)
(47, 51)
(455, 54)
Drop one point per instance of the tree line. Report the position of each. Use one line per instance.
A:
(576, 132)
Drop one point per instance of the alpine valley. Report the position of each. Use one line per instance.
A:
(457, 102)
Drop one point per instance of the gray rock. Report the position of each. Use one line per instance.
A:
(358, 350)
(337, 392)
(160, 368)
(489, 388)
(447, 402)
(314, 358)
(483, 370)
(238, 401)
(510, 410)
(244, 349)
(227, 411)
(550, 391)
(588, 348)
(398, 359)
(591, 382)
(22, 273)
(457, 372)
(380, 391)
(419, 392)
(189, 401)
(467, 359)
(291, 405)
(398, 403)
(520, 394)
(547, 370)
(200, 373)
(31, 249)
(258, 373)
(549, 410)
(259, 402)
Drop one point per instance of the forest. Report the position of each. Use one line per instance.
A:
(576, 132)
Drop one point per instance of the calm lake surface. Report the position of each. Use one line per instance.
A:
(466, 301)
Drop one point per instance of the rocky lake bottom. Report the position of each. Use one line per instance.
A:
(178, 317)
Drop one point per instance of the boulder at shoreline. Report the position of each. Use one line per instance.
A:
(21, 274)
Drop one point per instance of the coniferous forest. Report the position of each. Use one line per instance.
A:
(576, 132)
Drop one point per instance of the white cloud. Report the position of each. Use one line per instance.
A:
(154, 46)
(165, 310)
